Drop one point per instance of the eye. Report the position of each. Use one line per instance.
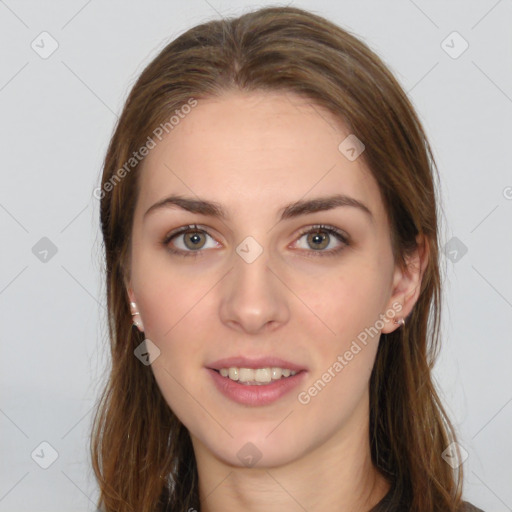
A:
(192, 240)
(319, 237)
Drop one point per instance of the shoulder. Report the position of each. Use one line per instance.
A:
(468, 507)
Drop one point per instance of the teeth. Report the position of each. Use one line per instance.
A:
(256, 376)
(264, 375)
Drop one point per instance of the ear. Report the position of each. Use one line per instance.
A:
(137, 320)
(407, 284)
(128, 287)
(130, 293)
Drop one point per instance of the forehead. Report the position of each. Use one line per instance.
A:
(255, 150)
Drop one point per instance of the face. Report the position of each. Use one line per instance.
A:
(264, 281)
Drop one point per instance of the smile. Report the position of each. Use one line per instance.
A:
(256, 376)
(256, 387)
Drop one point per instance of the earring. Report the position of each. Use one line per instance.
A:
(136, 316)
(398, 322)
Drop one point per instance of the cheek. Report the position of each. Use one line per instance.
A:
(177, 305)
(174, 323)
(165, 296)
(347, 300)
(343, 361)
(333, 395)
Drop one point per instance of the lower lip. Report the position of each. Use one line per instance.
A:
(256, 395)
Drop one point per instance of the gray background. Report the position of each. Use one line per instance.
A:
(57, 115)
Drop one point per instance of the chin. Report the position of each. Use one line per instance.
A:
(256, 451)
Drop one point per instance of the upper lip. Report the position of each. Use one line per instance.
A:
(259, 362)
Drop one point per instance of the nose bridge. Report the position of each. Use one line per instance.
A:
(252, 268)
(253, 297)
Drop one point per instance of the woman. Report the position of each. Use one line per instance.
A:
(269, 217)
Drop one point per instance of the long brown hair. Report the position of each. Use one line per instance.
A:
(142, 455)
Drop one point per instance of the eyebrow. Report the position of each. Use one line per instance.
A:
(295, 209)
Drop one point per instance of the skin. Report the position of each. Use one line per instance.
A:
(253, 153)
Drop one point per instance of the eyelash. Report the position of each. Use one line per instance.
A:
(331, 230)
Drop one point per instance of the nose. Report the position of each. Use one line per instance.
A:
(254, 298)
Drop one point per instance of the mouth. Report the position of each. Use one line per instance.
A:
(255, 382)
(256, 376)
